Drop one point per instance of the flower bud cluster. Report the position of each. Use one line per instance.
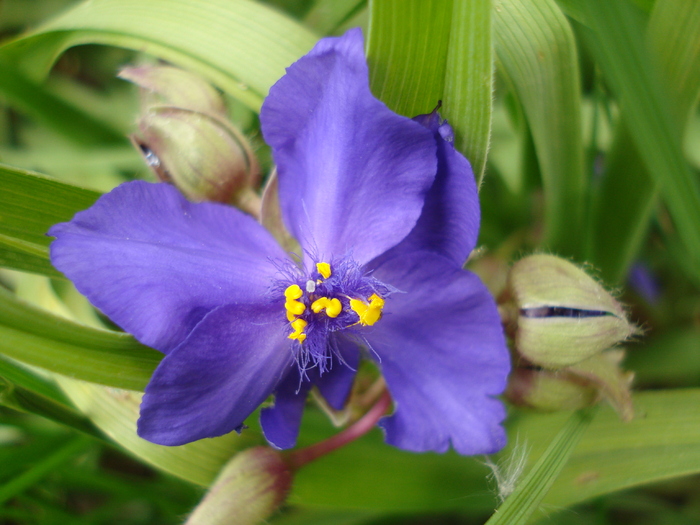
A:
(186, 139)
(565, 327)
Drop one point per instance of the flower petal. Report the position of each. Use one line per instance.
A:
(156, 263)
(281, 421)
(443, 354)
(353, 175)
(217, 377)
(449, 224)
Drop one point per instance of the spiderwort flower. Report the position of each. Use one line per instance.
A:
(386, 212)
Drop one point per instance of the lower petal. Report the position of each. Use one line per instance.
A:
(206, 387)
(281, 421)
(443, 354)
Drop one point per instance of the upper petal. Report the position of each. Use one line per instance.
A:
(217, 377)
(353, 175)
(449, 223)
(443, 354)
(156, 263)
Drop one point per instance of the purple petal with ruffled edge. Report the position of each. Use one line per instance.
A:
(218, 376)
(449, 223)
(280, 422)
(156, 263)
(443, 355)
(353, 175)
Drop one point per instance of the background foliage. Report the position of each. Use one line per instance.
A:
(580, 118)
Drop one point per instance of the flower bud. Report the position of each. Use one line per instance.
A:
(203, 156)
(171, 86)
(564, 316)
(548, 390)
(248, 490)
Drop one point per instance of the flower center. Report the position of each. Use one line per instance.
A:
(332, 299)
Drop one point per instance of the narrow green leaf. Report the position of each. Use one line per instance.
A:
(24, 400)
(29, 205)
(326, 16)
(407, 53)
(19, 375)
(468, 92)
(115, 412)
(662, 442)
(628, 193)
(68, 120)
(536, 51)
(26, 256)
(242, 47)
(422, 51)
(526, 498)
(35, 337)
(617, 40)
(51, 461)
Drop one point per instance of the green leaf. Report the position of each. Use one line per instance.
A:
(52, 460)
(29, 205)
(468, 92)
(24, 400)
(422, 51)
(38, 338)
(242, 47)
(537, 53)
(617, 40)
(115, 412)
(407, 53)
(662, 442)
(53, 111)
(326, 16)
(628, 193)
(526, 497)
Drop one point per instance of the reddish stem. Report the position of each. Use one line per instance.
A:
(301, 457)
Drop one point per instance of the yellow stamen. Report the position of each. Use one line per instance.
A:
(295, 307)
(333, 307)
(293, 292)
(324, 269)
(368, 313)
(298, 326)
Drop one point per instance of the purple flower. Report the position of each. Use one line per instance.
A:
(386, 212)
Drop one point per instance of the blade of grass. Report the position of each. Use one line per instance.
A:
(537, 53)
(617, 40)
(526, 498)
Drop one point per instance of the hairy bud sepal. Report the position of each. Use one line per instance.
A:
(564, 315)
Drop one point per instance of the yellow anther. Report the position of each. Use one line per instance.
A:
(333, 307)
(368, 313)
(293, 292)
(295, 307)
(298, 326)
(319, 304)
(324, 269)
(301, 337)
